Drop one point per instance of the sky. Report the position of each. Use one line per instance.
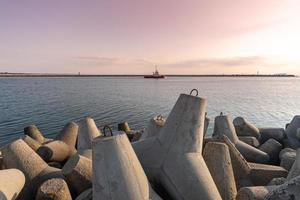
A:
(132, 36)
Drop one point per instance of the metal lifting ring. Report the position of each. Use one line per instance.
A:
(104, 130)
(193, 91)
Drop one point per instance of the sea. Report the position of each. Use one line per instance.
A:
(51, 102)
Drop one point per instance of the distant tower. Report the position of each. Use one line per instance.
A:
(78, 73)
(257, 72)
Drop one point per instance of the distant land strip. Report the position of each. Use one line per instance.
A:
(6, 74)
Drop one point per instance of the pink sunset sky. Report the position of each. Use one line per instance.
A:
(132, 36)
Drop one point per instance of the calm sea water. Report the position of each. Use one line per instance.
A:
(52, 102)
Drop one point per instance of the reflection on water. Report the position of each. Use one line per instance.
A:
(52, 102)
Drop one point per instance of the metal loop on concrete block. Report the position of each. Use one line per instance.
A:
(193, 91)
(104, 130)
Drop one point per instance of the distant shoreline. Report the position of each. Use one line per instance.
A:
(121, 75)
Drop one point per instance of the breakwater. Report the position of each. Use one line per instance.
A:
(169, 160)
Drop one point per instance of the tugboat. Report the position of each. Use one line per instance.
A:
(155, 74)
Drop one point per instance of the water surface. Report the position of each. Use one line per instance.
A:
(52, 102)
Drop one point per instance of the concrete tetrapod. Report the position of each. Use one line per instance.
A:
(154, 126)
(287, 158)
(86, 153)
(11, 183)
(274, 133)
(224, 126)
(86, 195)
(249, 174)
(34, 133)
(69, 134)
(291, 132)
(272, 147)
(286, 191)
(173, 158)
(20, 156)
(86, 133)
(31, 142)
(54, 189)
(218, 161)
(78, 173)
(206, 124)
(117, 172)
(250, 140)
(295, 170)
(56, 151)
(245, 128)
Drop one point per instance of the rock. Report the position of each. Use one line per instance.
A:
(86, 133)
(20, 156)
(173, 157)
(56, 151)
(34, 133)
(31, 142)
(54, 189)
(11, 183)
(154, 126)
(250, 140)
(272, 133)
(117, 173)
(245, 128)
(272, 147)
(224, 126)
(218, 161)
(78, 173)
(69, 134)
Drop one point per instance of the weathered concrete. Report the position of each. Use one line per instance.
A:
(224, 126)
(218, 161)
(86, 133)
(291, 132)
(86, 153)
(86, 195)
(245, 128)
(274, 133)
(78, 173)
(287, 158)
(56, 151)
(287, 191)
(249, 174)
(69, 134)
(250, 140)
(55, 164)
(262, 174)
(277, 181)
(206, 124)
(20, 156)
(117, 173)
(11, 183)
(254, 193)
(154, 126)
(54, 189)
(272, 147)
(298, 134)
(34, 133)
(31, 142)
(173, 158)
(295, 170)
(124, 126)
